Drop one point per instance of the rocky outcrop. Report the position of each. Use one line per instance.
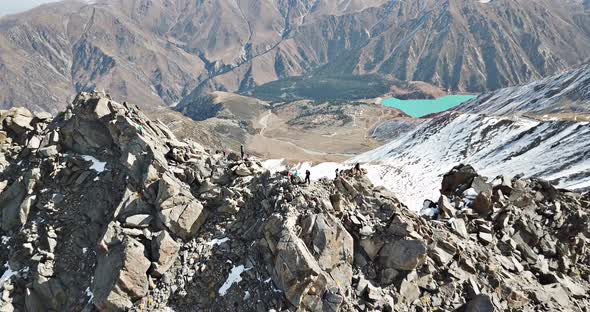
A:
(123, 216)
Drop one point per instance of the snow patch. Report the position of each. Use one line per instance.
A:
(89, 294)
(233, 278)
(7, 275)
(217, 241)
(97, 165)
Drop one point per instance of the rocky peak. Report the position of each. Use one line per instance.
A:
(103, 209)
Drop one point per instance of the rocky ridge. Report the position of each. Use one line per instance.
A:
(103, 209)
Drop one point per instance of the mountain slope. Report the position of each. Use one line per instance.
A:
(102, 209)
(557, 150)
(564, 93)
(158, 51)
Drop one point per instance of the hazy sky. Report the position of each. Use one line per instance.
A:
(14, 6)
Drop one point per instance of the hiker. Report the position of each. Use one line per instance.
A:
(242, 151)
(307, 177)
(357, 169)
(337, 173)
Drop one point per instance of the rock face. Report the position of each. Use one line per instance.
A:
(126, 217)
(403, 255)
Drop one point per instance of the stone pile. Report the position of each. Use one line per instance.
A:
(103, 209)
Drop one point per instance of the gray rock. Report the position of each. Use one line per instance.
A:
(403, 255)
(182, 214)
(34, 143)
(485, 238)
(49, 151)
(121, 277)
(242, 171)
(446, 207)
(409, 291)
(458, 226)
(481, 303)
(483, 204)
(138, 221)
(165, 251)
(10, 205)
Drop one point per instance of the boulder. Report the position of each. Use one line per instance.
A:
(405, 255)
(480, 303)
(49, 151)
(165, 251)
(446, 206)
(120, 276)
(458, 226)
(294, 268)
(34, 143)
(483, 204)
(10, 205)
(332, 246)
(178, 209)
(138, 221)
(242, 171)
(458, 180)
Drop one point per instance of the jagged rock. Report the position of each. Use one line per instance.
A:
(3, 137)
(49, 151)
(409, 292)
(10, 205)
(34, 142)
(242, 171)
(483, 204)
(121, 277)
(228, 206)
(458, 180)
(18, 120)
(178, 209)
(481, 303)
(333, 246)
(296, 270)
(165, 250)
(458, 226)
(403, 255)
(446, 207)
(138, 221)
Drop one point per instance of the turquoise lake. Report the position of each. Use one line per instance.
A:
(421, 108)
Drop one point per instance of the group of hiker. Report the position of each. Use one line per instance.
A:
(226, 153)
(294, 175)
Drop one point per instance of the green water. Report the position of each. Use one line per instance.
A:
(421, 108)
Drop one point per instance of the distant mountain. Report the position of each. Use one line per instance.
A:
(494, 134)
(157, 52)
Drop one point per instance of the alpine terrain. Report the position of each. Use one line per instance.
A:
(103, 209)
(295, 156)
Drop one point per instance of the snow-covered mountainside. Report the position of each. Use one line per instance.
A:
(568, 92)
(506, 143)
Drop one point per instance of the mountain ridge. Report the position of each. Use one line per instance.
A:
(103, 209)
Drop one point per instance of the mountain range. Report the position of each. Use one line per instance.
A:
(157, 52)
